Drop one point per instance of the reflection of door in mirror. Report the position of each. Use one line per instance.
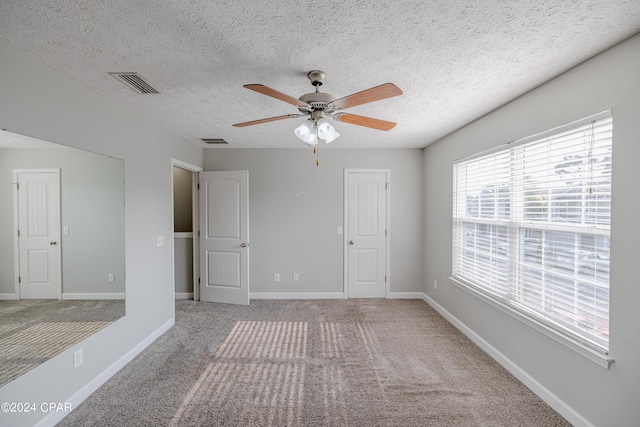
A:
(62, 279)
(37, 193)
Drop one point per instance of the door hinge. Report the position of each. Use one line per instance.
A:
(198, 233)
(198, 280)
(198, 186)
(18, 233)
(385, 279)
(18, 186)
(385, 233)
(386, 185)
(19, 279)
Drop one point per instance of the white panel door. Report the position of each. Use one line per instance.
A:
(38, 221)
(224, 237)
(366, 253)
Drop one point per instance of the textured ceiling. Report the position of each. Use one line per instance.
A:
(454, 60)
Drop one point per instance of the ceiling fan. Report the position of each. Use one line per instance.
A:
(318, 106)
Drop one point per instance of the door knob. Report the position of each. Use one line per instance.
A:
(53, 243)
(244, 245)
(351, 242)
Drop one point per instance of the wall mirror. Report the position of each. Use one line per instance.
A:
(62, 259)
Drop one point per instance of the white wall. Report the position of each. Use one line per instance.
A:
(183, 270)
(583, 391)
(38, 102)
(296, 206)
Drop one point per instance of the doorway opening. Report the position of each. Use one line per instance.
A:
(185, 242)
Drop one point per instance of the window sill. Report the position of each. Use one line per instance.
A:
(601, 359)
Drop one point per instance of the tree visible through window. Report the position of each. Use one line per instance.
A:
(531, 227)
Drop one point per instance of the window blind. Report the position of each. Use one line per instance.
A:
(531, 227)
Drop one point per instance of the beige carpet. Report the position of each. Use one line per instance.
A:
(313, 363)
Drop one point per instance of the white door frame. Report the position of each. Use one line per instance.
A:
(345, 249)
(195, 217)
(16, 226)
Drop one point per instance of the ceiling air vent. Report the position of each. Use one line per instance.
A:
(214, 141)
(135, 82)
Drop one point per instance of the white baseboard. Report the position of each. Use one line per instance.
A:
(405, 295)
(92, 296)
(296, 295)
(54, 417)
(325, 295)
(11, 297)
(184, 295)
(551, 399)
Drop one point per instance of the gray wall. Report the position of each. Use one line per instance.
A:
(296, 206)
(183, 271)
(38, 102)
(92, 207)
(609, 81)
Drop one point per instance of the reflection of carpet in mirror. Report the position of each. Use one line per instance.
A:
(33, 331)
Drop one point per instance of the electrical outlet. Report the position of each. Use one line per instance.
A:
(435, 284)
(295, 277)
(77, 358)
(112, 277)
(160, 240)
(276, 277)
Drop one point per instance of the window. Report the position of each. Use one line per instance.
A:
(531, 228)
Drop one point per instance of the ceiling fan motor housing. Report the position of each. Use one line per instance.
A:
(318, 101)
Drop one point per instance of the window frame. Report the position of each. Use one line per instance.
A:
(508, 305)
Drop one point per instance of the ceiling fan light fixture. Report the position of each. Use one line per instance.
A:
(326, 131)
(306, 132)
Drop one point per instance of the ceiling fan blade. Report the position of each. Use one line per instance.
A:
(377, 93)
(270, 119)
(369, 122)
(277, 95)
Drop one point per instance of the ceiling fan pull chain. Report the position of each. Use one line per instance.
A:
(315, 147)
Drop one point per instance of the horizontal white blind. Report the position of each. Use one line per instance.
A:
(531, 228)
